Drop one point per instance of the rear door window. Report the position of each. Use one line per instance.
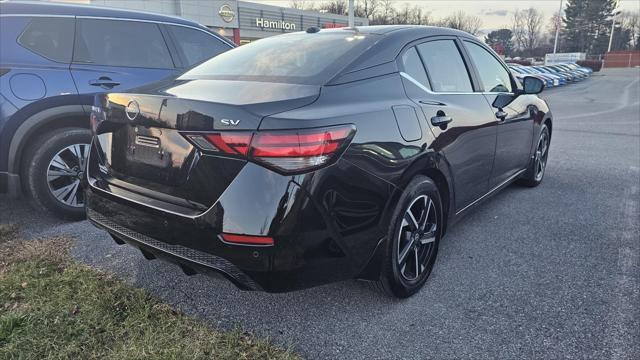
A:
(121, 43)
(445, 66)
(414, 68)
(49, 37)
(195, 45)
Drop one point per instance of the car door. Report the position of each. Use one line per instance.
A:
(437, 78)
(118, 55)
(515, 118)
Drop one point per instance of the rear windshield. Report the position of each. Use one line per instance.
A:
(298, 58)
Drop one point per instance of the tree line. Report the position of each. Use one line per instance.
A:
(584, 27)
(387, 12)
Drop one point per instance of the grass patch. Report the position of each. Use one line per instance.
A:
(52, 307)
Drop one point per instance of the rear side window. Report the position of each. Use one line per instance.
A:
(121, 43)
(49, 37)
(414, 68)
(445, 66)
(196, 45)
(494, 77)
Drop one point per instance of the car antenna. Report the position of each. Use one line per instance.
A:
(313, 30)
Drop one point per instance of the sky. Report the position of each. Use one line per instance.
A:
(495, 14)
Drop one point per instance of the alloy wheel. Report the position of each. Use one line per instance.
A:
(541, 155)
(416, 238)
(65, 173)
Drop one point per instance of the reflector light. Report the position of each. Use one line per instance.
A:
(287, 151)
(247, 239)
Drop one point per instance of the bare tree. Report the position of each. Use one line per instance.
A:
(534, 19)
(297, 4)
(386, 13)
(630, 22)
(338, 7)
(526, 26)
(461, 21)
(366, 8)
(518, 28)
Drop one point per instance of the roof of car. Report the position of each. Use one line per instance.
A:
(404, 30)
(49, 8)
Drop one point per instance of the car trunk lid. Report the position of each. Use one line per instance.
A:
(141, 142)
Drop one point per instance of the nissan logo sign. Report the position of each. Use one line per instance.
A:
(226, 13)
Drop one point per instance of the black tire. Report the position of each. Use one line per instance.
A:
(35, 171)
(394, 280)
(534, 174)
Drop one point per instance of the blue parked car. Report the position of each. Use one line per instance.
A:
(522, 71)
(563, 79)
(53, 58)
(570, 75)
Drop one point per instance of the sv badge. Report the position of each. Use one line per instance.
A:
(229, 122)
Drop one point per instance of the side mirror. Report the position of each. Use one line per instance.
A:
(532, 85)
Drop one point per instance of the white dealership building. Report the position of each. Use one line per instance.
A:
(240, 21)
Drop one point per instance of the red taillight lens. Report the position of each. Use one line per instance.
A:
(234, 143)
(288, 151)
(294, 151)
(247, 239)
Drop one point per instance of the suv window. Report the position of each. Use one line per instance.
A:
(196, 45)
(49, 37)
(413, 66)
(494, 77)
(445, 66)
(121, 43)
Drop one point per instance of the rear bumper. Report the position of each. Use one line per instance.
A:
(326, 226)
(189, 259)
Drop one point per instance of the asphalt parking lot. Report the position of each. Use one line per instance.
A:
(551, 272)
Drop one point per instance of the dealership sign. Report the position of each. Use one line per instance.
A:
(275, 24)
(561, 58)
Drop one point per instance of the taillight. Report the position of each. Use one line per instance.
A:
(292, 151)
(231, 142)
(287, 151)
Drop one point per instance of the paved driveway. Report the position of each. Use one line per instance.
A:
(551, 272)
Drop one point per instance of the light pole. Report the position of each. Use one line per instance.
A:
(613, 26)
(352, 21)
(555, 43)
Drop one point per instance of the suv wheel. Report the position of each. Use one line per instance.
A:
(54, 169)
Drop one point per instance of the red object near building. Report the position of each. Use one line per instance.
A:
(333, 25)
(498, 48)
(617, 59)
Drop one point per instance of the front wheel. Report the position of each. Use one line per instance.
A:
(535, 173)
(53, 172)
(412, 242)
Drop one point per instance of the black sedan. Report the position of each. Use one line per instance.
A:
(314, 157)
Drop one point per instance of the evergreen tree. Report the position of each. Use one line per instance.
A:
(588, 25)
(501, 38)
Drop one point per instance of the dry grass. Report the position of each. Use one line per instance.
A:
(53, 307)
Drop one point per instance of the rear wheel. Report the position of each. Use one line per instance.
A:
(535, 173)
(412, 243)
(54, 169)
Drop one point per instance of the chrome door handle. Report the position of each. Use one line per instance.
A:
(441, 120)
